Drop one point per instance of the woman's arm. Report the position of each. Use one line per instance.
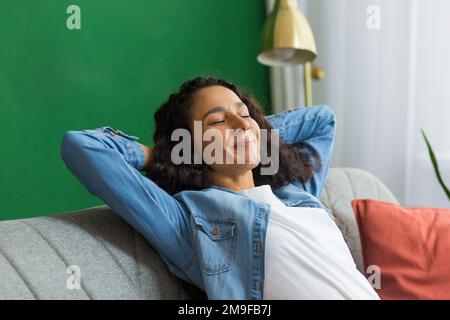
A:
(315, 126)
(107, 162)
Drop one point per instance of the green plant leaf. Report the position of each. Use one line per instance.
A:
(435, 165)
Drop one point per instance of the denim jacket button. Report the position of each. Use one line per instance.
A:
(215, 231)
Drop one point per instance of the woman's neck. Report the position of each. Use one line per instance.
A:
(236, 182)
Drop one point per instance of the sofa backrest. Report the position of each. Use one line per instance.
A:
(342, 186)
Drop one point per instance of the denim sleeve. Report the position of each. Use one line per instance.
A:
(315, 126)
(107, 163)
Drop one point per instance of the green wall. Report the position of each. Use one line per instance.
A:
(117, 70)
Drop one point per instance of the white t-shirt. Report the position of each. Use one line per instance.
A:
(306, 256)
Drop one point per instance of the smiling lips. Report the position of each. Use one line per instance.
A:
(244, 142)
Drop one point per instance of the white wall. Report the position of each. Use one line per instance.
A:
(431, 103)
(384, 85)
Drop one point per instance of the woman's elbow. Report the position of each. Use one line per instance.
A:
(327, 112)
(70, 145)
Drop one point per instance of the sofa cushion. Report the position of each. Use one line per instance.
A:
(408, 246)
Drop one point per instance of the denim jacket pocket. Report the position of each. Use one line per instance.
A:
(214, 243)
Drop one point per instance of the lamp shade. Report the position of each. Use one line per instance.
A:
(286, 38)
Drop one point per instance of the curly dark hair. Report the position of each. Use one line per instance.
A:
(294, 159)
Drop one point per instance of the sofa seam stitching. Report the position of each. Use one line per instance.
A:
(15, 268)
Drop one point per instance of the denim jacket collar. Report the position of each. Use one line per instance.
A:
(289, 194)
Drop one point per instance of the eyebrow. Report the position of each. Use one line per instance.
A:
(221, 109)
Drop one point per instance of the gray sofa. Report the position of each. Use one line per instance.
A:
(38, 256)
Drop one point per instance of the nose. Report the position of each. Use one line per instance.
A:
(241, 123)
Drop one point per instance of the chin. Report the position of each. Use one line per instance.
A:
(246, 166)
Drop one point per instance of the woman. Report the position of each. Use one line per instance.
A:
(225, 227)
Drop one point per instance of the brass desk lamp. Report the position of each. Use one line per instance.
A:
(287, 40)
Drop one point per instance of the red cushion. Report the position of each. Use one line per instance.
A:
(411, 246)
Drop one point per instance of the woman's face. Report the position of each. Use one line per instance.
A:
(221, 112)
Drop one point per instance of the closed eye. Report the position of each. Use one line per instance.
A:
(216, 122)
(222, 121)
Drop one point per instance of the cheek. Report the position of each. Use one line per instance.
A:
(219, 133)
(256, 130)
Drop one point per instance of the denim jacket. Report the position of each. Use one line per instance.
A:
(214, 238)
